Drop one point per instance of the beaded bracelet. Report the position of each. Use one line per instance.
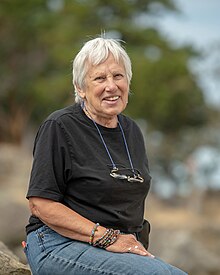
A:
(112, 238)
(109, 237)
(102, 238)
(102, 241)
(91, 238)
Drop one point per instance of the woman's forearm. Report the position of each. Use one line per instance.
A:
(70, 224)
(63, 220)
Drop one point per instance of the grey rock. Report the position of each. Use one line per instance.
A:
(10, 264)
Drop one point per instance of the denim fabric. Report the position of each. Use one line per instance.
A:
(50, 253)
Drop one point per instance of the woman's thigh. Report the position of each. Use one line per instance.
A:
(49, 253)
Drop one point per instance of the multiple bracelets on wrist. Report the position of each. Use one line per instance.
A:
(108, 238)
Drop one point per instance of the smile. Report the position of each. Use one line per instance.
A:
(112, 98)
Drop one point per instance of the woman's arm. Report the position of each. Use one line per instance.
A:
(62, 219)
(70, 224)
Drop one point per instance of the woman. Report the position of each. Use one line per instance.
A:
(90, 177)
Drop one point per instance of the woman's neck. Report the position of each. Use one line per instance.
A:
(103, 121)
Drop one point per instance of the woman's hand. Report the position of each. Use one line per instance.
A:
(127, 243)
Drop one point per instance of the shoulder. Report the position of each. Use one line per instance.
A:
(61, 114)
(132, 129)
(57, 122)
(64, 117)
(129, 123)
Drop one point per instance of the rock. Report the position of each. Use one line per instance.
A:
(10, 264)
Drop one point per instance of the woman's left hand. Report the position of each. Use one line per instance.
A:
(127, 243)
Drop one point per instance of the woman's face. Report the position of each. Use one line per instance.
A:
(106, 91)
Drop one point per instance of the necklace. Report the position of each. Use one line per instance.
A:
(115, 172)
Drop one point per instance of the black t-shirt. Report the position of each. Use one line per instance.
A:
(71, 166)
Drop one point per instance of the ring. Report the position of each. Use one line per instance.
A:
(129, 249)
(136, 246)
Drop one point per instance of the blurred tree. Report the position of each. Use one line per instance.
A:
(165, 90)
(39, 38)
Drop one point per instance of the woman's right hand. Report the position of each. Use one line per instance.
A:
(127, 243)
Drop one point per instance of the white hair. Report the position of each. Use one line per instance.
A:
(95, 52)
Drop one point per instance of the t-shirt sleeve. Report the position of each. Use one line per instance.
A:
(51, 164)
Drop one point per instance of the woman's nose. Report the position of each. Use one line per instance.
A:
(110, 84)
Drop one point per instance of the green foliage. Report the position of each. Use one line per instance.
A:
(39, 39)
(165, 91)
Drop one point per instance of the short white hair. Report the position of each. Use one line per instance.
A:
(95, 52)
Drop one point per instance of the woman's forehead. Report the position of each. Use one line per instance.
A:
(110, 63)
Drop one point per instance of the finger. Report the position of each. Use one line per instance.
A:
(144, 253)
(140, 251)
(136, 250)
(143, 248)
(150, 255)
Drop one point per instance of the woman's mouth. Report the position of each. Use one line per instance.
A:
(111, 98)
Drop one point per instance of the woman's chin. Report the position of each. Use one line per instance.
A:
(113, 108)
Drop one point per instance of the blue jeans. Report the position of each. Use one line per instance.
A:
(50, 253)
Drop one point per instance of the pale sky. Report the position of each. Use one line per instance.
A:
(199, 24)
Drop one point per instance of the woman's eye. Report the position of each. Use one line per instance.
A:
(99, 78)
(118, 76)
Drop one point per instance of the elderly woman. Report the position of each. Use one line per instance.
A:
(90, 177)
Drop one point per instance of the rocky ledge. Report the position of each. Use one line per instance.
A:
(10, 264)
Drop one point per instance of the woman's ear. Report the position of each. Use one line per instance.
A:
(81, 93)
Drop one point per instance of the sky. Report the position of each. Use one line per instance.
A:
(199, 24)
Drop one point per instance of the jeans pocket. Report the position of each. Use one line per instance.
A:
(42, 236)
(48, 239)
